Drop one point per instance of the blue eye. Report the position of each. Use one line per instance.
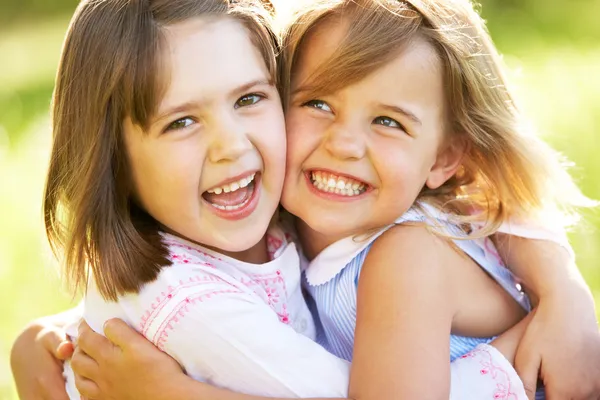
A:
(180, 124)
(318, 104)
(248, 100)
(388, 122)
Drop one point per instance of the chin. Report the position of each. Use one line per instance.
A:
(331, 226)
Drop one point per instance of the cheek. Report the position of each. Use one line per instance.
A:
(401, 167)
(302, 138)
(168, 167)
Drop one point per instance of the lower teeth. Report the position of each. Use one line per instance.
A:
(231, 208)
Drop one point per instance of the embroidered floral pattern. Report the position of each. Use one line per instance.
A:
(165, 297)
(501, 377)
(176, 301)
(273, 286)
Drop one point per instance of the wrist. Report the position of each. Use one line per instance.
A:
(573, 299)
(185, 388)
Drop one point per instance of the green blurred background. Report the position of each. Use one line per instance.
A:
(552, 48)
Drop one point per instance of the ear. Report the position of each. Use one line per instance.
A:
(448, 160)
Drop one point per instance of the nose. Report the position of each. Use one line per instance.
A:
(230, 139)
(345, 143)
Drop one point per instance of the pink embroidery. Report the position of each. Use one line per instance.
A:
(489, 247)
(276, 291)
(271, 287)
(180, 311)
(273, 245)
(498, 374)
(161, 301)
(172, 244)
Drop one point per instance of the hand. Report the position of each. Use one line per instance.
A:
(123, 365)
(562, 347)
(508, 342)
(37, 361)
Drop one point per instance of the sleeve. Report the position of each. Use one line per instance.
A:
(484, 373)
(225, 335)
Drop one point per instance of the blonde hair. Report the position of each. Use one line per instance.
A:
(507, 172)
(110, 69)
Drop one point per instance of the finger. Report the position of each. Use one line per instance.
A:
(86, 387)
(84, 365)
(527, 366)
(92, 343)
(121, 334)
(51, 338)
(65, 350)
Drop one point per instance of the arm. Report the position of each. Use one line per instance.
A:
(124, 365)
(222, 333)
(133, 368)
(44, 341)
(404, 317)
(565, 315)
(407, 299)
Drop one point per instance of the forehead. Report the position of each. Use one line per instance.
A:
(318, 46)
(208, 56)
(414, 75)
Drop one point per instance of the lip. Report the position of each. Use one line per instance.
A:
(334, 196)
(234, 179)
(248, 208)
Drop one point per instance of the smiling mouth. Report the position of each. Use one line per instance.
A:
(232, 196)
(327, 182)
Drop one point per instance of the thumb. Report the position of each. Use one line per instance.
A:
(120, 334)
(65, 350)
(55, 341)
(527, 365)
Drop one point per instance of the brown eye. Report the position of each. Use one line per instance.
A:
(248, 100)
(180, 124)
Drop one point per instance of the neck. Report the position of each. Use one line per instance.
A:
(313, 242)
(257, 254)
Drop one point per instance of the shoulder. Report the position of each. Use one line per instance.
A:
(409, 244)
(406, 256)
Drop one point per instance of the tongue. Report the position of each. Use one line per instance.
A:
(231, 198)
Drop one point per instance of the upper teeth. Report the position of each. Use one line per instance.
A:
(232, 187)
(334, 184)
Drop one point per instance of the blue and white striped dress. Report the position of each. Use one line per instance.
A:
(332, 281)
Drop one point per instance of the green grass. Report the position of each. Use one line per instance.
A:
(559, 87)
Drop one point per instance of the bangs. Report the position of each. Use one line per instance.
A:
(376, 33)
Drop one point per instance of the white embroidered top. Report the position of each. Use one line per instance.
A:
(247, 328)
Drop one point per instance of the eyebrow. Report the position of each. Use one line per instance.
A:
(397, 109)
(193, 104)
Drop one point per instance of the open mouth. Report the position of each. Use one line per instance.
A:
(327, 182)
(233, 197)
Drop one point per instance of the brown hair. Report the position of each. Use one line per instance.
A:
(110, 70)
(507, 171)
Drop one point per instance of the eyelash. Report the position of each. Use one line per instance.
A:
(391, 120)
(172, 127)
(313, 104)
(259, 97)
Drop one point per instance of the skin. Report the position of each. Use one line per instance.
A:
(219, 121)
(354, 133)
